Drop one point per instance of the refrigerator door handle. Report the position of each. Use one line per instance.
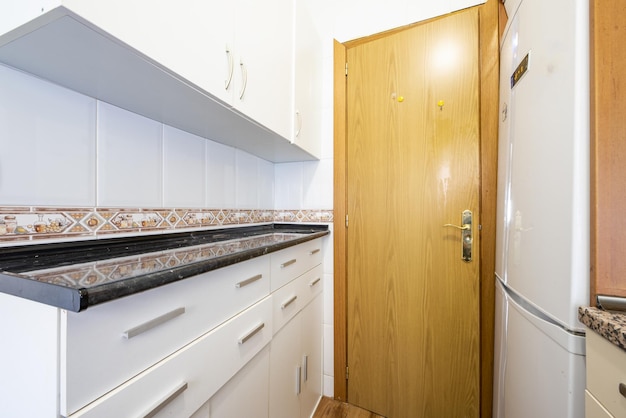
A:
(466, 234)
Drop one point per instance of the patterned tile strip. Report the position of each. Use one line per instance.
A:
(21, 225)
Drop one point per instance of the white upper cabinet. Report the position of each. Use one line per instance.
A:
(307, 80)
(220, 70)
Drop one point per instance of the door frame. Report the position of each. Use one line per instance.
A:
(489, 104)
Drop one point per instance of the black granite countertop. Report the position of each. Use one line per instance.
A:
(610, 325)
(77, 275)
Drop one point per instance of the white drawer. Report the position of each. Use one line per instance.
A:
(291, 262)
(294, 296)
(606, 370)
(593, 409)
(181, 383)
(106, 345)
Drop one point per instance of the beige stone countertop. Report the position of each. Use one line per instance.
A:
(609, 324)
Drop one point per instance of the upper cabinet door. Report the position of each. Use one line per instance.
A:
(307, 79)
(264, 57)
(193, 40)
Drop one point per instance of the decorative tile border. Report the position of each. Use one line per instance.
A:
(23, 224)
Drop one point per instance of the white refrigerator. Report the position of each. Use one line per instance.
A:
(542, 244)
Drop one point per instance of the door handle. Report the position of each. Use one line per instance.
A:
(466, 234)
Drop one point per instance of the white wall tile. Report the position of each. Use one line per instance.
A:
(47, 143)
(220, 176)
(246, 180)
(129, 159)
(329, 355)
(317, 188)
(329, 386)
(288, 186)
(266, 185)
(184, 169)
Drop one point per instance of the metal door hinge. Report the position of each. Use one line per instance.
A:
(346, 69)
(346, 220)
(347, 373)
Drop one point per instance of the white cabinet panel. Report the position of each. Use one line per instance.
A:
(606, 371)
(307, 79)
(291, 262)
(246, 394)
(593, 408)
(296, 364)
(181, 383)
(291, 298)
(99, 356)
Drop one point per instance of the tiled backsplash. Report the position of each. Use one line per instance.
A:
(29, 224)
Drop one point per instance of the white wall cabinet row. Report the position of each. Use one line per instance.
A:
(241, 72)
(190, 348)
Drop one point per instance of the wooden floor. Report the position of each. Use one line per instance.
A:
(330, 408)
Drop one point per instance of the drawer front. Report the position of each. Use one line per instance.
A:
(291, 262)
(606, 370)
(593, 409)
(294, 296)
(110, 343)
(182, 383)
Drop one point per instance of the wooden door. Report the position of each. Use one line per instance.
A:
(413, 166)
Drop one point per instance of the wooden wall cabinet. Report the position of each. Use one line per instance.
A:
(608, 148)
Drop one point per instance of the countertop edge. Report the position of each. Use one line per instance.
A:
(609, 325)
(79, 299)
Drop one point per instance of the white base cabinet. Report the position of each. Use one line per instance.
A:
(199, 347)
(296, 364)
(246, 394)
(606, 377)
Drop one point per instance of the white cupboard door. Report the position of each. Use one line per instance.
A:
(247, 393)
(312, 317)
(286, 371)
(307, 79)
(264, 77)
(191, 39)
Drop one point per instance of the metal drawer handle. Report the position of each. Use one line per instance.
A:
(622, 389)
(248, 281)
(289, 302)
(169, 398)
(146, 326)
(288, 263)
(314, 282)
(298, 376)
(315, 251)
(251, 333)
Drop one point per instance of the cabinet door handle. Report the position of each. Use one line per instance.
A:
(305, 366)
(298, 123)
(288, 263)
(251, 334)
(622, 389)
(248, 281)
(231, 68)
(315, 251)
(244, 80)
(298, 377)
(146, 326)
(314, 282)
(289, 302)
(163, 403)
